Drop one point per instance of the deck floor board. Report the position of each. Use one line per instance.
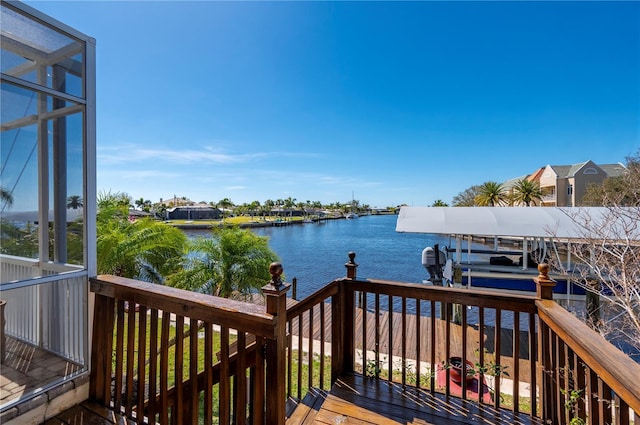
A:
(357, 400)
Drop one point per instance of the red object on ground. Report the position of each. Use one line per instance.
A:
(473, 385)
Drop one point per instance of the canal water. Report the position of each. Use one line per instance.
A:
(315, 253)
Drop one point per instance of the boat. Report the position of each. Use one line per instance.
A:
(351, 215)
(500, 247)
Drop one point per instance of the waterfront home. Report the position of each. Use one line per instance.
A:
(566, 185)
(73, 351)
(193, 212)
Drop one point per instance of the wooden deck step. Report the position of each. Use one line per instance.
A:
(305, 411)
(354, 399)
(88, 413)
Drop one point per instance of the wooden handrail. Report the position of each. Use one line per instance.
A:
(488, 299)
(222, 311)
(317, 297)
(614, 367)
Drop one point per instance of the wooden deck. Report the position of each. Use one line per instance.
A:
(357, 400)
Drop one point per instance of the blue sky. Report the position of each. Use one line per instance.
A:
(395, 102)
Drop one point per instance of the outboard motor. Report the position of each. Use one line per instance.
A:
(432, 264)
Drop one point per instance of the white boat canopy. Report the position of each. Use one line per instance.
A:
(539, 222)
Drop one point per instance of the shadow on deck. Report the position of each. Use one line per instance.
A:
(355, 399)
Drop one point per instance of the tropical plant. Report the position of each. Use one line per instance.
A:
(231, 261)
(491, 194)
(439, 203)
(142, 249)
(74, 202)
(527, 192)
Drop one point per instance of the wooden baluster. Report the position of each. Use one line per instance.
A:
(241, 387)
(464, 351)
(516, 362)
(258, 384)
(119, 356)
(322, 340)
(363, 332)
(390, 362)
(153, 366)
(225, 384)
(447, 344)
(432, 347)
(404, 341)
(164, 369)
(290, 324)
(208, 369)
(310, 356)
(481, 353)
(275, 293)
(131, 338)
(532, 365)
(300, 354)
(194, 397)
(142, 352)
(177, 413)
(377, 334)
(418, 343)
(497, 351)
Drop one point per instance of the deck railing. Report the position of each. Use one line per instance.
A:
(164, 355)
(527, 353)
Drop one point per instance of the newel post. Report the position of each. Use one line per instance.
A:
(544, 284)
(342, 323)
(351, 266)
(275, 293)
(544, 291)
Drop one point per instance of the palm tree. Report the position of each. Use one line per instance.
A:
(254, 206)
(491, 194)
(74, 202)
(232, 261)
(225, 204)
(527, 191)
(439, 203)
(143, 249)
(6, 198)
(143, 204)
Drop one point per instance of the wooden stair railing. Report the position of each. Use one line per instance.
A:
(133, 319)
(576, 361)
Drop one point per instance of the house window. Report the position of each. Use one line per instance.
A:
(570, 190)
(590, 170)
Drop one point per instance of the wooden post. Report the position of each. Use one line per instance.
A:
(592, 301)
(351, 266)
(275, 293)
(544, 291)
(544, 284)
(294, 292)
(102, 343)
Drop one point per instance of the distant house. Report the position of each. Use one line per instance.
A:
(193, 212)
(566, 185)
